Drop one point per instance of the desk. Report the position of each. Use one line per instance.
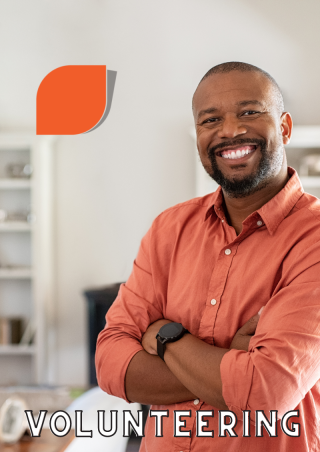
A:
(47, 442)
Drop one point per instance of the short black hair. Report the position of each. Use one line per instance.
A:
(246, 67)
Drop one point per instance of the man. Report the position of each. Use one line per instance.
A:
(211, 264)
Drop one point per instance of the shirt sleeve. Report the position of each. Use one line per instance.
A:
(135, 308)
(283, 360)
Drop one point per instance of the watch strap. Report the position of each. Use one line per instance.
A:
(161, 346)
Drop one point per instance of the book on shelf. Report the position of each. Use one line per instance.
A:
(10, 330)
(28, 335)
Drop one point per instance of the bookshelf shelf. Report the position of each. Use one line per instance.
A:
(16, 273)
(310, 181)
(15, 226)
(15, 184)
(16, 349)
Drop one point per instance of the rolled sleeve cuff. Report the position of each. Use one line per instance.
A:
(112, 369)
(236, 370)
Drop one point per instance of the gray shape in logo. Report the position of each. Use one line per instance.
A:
(111, 81)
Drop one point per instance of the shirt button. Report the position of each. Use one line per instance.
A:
(227, 252)
(222, 221)
(196, 401)
(213, 302)
(259, 223)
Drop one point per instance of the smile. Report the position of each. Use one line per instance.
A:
(237, 153)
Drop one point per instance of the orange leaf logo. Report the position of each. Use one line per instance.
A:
(74, 99)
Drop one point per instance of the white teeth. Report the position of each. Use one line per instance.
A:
(237, 154)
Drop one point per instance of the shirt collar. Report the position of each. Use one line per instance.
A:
(215, 202)
(275, 210)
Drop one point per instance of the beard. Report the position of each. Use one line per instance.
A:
(241, 186)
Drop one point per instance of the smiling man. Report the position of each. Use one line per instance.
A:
(184, 334)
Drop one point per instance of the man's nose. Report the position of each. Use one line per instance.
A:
(231, 127)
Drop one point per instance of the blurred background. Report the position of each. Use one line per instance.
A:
(108, 185)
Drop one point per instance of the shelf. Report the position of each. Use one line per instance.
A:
(16, 141)
(16, 273)
(16, 349)
(310, 181)
(15, 184)
(305, 137)
(15, 226)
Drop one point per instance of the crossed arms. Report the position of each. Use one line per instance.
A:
(191, 369)
(276, 371)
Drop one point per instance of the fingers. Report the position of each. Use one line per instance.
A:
(243, 336)
(250, 326)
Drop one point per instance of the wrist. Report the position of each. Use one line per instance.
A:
(167, 334)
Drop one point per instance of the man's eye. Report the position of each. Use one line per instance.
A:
(250, 112)
(210, 120)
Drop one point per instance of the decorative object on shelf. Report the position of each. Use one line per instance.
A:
(13, 421)
(19, 170)
(28, 334)
(39, 397)
(10, 330)
(31, 218)
(3, 215)
(18, 215)
(310, 165)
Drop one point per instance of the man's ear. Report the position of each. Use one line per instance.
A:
(286, 127)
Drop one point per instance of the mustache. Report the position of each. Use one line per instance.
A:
(240, 141)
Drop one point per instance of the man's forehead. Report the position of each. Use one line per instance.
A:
(232, 88)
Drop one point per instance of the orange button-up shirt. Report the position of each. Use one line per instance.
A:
(192, 268)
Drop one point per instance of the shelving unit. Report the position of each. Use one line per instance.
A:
(26, 250)
(304, 138)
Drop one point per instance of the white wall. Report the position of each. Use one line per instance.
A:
(111, 183)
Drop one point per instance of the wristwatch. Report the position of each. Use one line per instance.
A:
(170, 332)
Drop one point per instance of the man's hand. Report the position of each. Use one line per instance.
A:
(149, 341)
(244, 334)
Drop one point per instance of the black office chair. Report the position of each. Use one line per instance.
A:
(98, 303)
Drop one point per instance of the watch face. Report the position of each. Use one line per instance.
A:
(171, 330)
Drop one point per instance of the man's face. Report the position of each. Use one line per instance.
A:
(239, 131)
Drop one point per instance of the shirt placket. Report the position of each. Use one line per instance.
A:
(216, 287)
(220, 274)
(184, 444)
